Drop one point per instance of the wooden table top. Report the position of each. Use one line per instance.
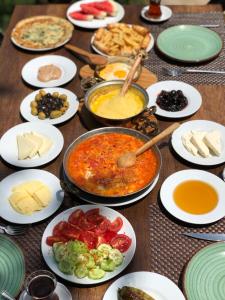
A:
(13, 90)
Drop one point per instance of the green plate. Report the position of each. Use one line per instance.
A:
(12, 266)
(204, 277)
(189, 43)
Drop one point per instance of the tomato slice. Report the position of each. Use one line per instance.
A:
(59, 228)
(72, 233)
(102, 227)
(100, 240)
(95, 219)
(94, 211)
(50, 240)
(121, 242)
(109, 235)
(89, 238)
(116, 225)
(85, 225)
(75, 216)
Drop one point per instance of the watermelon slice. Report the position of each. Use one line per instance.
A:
(79, 15)
(109, 7)
(89, 9)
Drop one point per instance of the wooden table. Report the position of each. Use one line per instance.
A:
(13, 90)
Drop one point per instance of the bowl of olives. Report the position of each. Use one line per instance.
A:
(49, 105)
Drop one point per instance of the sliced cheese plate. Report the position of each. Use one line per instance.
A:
(31, 144)
(199, 125)
(8, 213)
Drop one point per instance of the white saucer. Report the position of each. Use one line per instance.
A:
(67, 67)
(193, 96)
(62, 292)
(171, 182)
(166, 14)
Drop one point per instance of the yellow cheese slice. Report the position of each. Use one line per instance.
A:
(42, 196)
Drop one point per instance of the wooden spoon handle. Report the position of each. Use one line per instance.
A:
(157, 138)
(131, 74)
(77, 50)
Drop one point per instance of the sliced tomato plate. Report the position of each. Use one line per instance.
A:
(99, 224)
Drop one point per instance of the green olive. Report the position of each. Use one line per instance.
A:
(66, 104)
(63, 97)
(33, 104)
(41, 115)
(55, 94)
(34, 111)
(42, 92)
(55, 114)
(38, 97)
(63, 109)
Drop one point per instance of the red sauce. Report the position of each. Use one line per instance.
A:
(92, 165)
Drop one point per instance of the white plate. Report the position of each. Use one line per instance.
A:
(9, 149)
(95, 23)
(168, 186)
(156, 285)
(199, 125)
(193, 96)
(66, 65)
(150, 45)
(166, 14)
(111, 215)
(129, 199)
(6, 185)
(62, 292)
(25, 109)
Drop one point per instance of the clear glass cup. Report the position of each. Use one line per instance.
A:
(154, 9)
(41, 285)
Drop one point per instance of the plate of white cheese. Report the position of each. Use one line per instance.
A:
(200, 142)
(31, 144)
(29, 196)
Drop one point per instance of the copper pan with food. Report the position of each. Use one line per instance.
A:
(90, 164)
(104, 102)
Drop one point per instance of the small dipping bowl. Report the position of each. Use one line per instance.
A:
(102, 86)
(117, 68)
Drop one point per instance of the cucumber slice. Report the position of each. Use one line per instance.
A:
(96, 273)
(77, 247)
(87, 259)
(104, 249)
(108, 265)
(59, 251)
(81, 270)
(66, 267)
(116, 256)
(97, 255)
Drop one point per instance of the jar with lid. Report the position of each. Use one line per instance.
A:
(154, 9)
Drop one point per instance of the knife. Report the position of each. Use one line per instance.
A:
(206, 236)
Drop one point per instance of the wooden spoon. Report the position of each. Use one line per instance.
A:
(93, 59)
(131, 74)
(128, 159)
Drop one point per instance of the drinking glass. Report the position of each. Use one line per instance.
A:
(41, 285)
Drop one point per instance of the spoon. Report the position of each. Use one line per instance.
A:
(128, 159)
(131, 74)
(93, 59)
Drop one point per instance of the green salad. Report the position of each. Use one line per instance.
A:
(74, 258)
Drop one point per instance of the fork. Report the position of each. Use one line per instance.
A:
(6, 295)
(178, 71)
(13, 230)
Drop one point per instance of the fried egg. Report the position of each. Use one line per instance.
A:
(114, 71)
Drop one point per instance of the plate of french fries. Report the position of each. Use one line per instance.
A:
(120, 39)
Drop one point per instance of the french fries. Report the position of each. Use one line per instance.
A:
(121, 39)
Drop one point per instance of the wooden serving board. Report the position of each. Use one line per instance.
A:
(146, 78)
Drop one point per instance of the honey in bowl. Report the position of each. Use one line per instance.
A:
(107, 103)
(195, 197)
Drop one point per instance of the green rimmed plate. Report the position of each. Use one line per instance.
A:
(12, 266)
(189, 43)
(205, 274)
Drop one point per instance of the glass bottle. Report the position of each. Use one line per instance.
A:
(154, 9)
